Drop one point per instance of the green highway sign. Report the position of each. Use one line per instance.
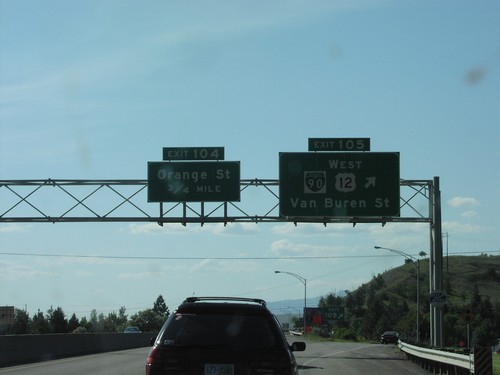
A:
(339, 184)
(333, 313)
(339, 144)
(193, 153)
(207, 181)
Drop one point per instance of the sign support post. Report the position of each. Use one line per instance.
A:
(436, 264)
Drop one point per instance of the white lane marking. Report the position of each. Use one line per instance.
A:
(332, 354)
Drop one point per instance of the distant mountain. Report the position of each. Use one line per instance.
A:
(291, 306)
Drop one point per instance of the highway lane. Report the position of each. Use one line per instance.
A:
(126, 362)
(327, 358)
(320, 358)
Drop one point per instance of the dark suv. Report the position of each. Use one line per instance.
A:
(222, 336)
(389, 337)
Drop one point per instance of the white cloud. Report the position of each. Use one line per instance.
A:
(461, 202)
(217, 229)
(83, 274)
(235, 228)
(155, 228)
(10, 271)
(470, 214)
(285, 247)
(139, 275)
(13, 228)
(224, 266)
(457, 227)
(408, 237)
(310, 229)
(398, 229)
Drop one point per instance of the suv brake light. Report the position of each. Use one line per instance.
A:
(153, 357)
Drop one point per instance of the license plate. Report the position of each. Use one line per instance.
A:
(219, 369)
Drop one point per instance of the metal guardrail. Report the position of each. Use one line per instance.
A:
(438, 358)
(478, 362)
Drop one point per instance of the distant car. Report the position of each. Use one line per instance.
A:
(389, 337)
(222, 336)
(132, 330)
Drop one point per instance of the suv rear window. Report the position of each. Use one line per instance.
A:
(239, 332)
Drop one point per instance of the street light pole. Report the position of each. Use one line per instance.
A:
(303, 281)
(412, 258)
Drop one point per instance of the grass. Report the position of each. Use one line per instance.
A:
(496, 364)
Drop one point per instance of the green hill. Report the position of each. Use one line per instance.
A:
(388, 302)
(461, 274)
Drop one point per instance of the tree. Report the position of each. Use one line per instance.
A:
(84, 326)
(147, 320)
(122, 317)
(93, 325)
(57, 320)
(330, 300)
(376, 310)
(39, 324)
(485, 324)
(22, 322)
(114, 322)
(160, 307)
(73, 323)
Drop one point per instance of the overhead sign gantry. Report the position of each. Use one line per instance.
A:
(337, 181)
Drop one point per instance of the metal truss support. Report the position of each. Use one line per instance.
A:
(59, 201)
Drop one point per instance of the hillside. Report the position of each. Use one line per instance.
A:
(460, 276)
(388, 302)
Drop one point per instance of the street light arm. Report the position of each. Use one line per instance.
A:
(407, 256)
(302, 279)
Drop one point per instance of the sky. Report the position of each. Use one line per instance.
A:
(94, 90)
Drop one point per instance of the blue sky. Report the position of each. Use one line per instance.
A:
(96, 89)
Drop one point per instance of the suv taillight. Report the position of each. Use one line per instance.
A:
(153, 357)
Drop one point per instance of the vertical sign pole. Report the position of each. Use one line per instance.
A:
(202, 213)
(160, 222)
(436, 263)
(431, 264)
(438, 257)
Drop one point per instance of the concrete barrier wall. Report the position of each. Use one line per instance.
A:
(18, 349)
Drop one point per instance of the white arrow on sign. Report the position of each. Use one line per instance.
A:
(370, 181)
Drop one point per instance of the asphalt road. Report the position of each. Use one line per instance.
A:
(327, 358)
(318, 359)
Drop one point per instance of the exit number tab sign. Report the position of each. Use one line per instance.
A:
(339, 144)
(193, 153)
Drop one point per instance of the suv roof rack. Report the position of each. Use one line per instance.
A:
(227, 299)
